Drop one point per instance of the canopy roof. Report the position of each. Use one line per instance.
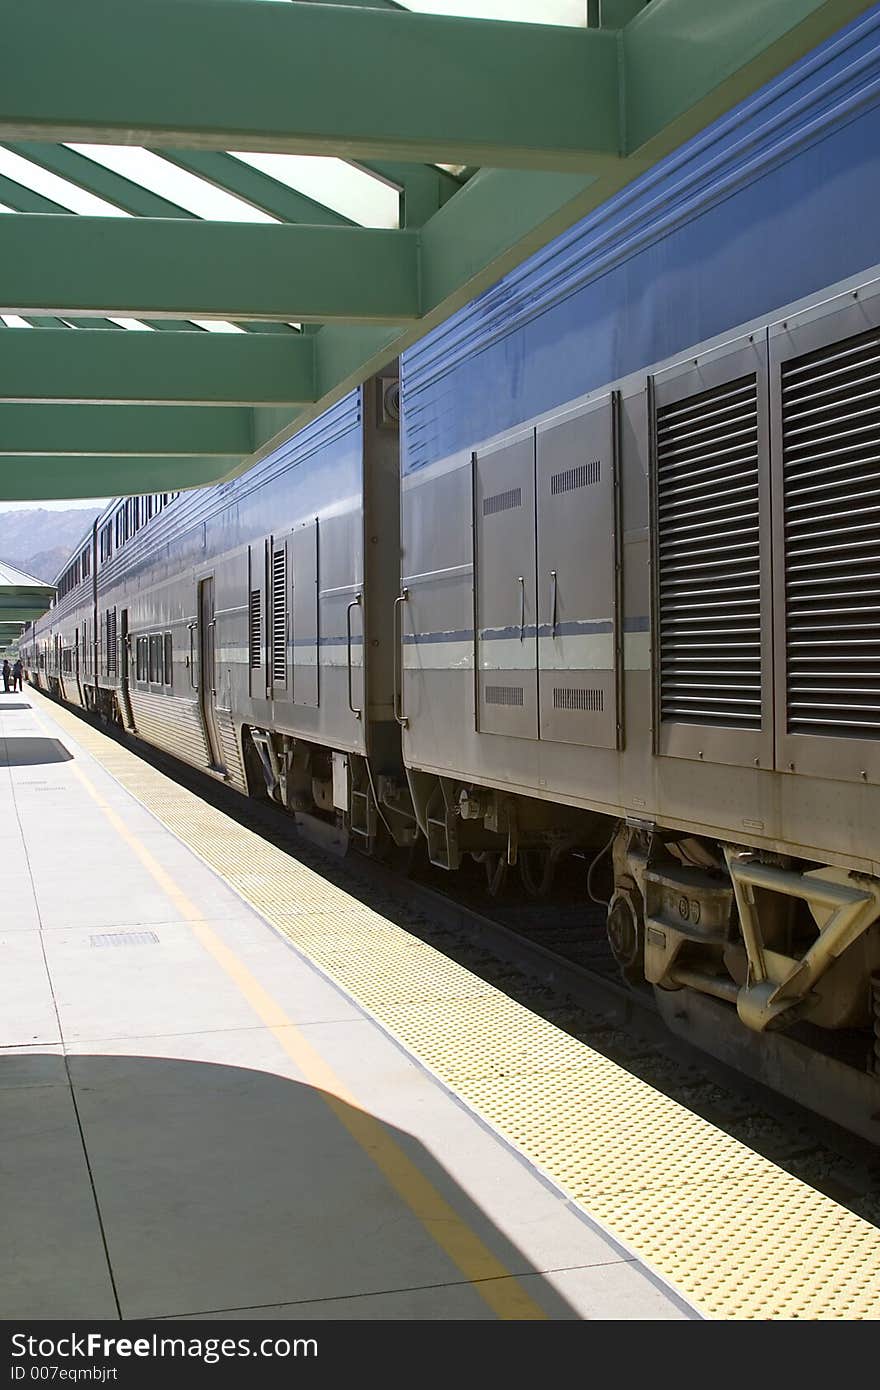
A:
(22, 598)
(323, 183)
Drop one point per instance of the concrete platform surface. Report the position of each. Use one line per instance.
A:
(196, 1123)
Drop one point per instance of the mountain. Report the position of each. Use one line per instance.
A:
(41, 542)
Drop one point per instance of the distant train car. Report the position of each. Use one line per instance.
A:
(245, 628)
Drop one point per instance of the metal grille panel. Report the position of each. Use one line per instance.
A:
(255, 618)
(502, 501)
(831, 487)
(279, 616)
(111, 642)
(578, 698)
(583, 475)
(504, 694)
(709, 554)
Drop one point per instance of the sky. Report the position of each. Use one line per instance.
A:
(92, 502)
(330, 181)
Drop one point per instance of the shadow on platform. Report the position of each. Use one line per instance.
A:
(30, 752)
(224, 1189)
(5, 707)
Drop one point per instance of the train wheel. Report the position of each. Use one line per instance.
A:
(537, 870)
(495, 865)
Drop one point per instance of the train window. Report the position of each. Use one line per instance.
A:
(106, 542)
(169, 661)
(141, 659)
(156, 659)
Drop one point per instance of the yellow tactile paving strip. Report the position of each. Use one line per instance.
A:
(735, 1234)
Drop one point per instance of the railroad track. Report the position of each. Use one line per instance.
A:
(551, 956)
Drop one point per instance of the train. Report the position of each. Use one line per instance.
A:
(592, 571)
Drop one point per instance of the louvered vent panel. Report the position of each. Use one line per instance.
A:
(111, 642)
(279, 616)
(578, 698)
(504, 694)
(709, 552)
(583, 475)
(255, 615)
(831, 472)
(502, 501)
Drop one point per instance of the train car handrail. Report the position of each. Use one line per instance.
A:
(355, 603)
(397, 638)
(192, 627)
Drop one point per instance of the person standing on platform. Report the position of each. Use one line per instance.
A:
(7, 672)
(17, 669)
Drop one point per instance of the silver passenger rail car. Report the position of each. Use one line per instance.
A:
(641, 561)
(245, 628)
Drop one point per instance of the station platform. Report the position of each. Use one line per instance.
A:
(197, 1123)
(231, 1090)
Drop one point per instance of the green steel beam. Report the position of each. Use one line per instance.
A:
(56, 365)
(501, 216)
(15, 195)
(31, 478)
(255, 187)
(24, 612)
(76, 430)
(687, 61)
(614, 14)
(423, 187)
(104, 183)
(310, 79)
(22, 199)
(131, 197)
(153, 268)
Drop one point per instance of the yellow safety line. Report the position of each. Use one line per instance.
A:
(490, 1278)
(736, 1234)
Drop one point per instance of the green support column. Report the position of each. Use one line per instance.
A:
(57, 365)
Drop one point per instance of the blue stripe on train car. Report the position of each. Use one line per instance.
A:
(774, 201)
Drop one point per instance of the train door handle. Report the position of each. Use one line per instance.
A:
(522, 607)
(192, 627)
(212, 622)
(398, 660)
(553, 596)
(355, 603)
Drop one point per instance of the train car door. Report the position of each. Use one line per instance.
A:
(577, 576)
(506, 615)
(208, 670)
